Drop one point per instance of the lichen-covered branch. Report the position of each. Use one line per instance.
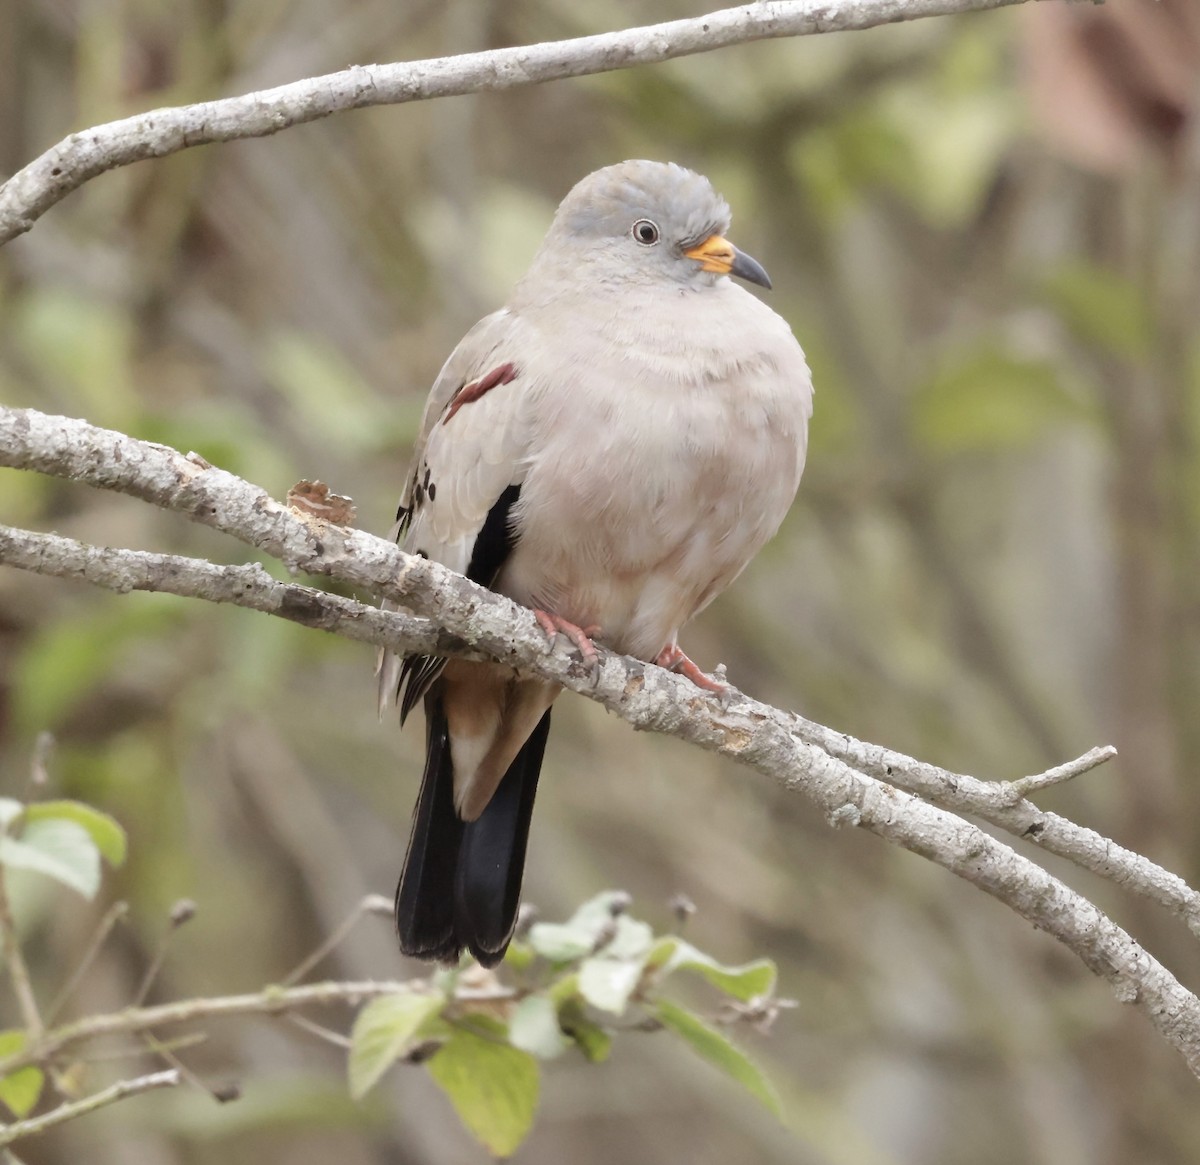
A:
(1003, 804)
(243, 585)
(29, 193)
(855, 784)
(73, 1109)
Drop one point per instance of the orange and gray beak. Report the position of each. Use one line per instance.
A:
(720, 255)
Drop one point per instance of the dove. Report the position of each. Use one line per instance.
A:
(610, 449)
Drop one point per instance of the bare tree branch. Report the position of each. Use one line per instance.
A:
(1002, 804)
(166, 478)
(138, 1020)
(853, 783)
(29, 193)
(243, 585)
(19, 1130)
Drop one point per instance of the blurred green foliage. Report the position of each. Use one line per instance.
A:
(994, 561)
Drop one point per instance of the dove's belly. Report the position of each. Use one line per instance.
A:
(639, 512)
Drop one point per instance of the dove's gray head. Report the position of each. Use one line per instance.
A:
(644, 222)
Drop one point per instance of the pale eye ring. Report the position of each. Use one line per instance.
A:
(645, 232)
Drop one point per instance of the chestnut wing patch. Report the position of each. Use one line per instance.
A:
(422, 486)
(474, 389)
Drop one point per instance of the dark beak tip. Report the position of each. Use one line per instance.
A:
(749, 269)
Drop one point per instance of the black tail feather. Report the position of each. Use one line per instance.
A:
(461, 884)
(491, 861)
(424, 903)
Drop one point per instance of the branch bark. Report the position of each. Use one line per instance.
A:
(73, 1109)
(855, 784)
(33, 190)
(139, 1020)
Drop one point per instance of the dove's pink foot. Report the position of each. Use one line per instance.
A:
(673, 659)
(581, 637)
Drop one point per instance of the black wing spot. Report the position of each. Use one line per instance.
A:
(493, 545)
(495, 540)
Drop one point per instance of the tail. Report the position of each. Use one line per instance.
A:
(461, 883)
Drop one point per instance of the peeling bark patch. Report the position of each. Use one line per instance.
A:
(316, 499)
(735, 739)
(302, 606)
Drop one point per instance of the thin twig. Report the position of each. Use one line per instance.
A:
(181, 913)
(248, 586)
(167, 1053)
(1014, 791)
(178, 1044)
(18, 1130)
(135, 1020)
(112, 916)
(18, 972)
(371, 904)
(986, 800)
(328, 1035)
(39, 765)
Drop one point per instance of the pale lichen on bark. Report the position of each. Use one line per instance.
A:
(853, 783)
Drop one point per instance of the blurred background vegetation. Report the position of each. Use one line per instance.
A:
(985, 232)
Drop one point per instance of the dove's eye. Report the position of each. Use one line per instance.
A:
(645, 232)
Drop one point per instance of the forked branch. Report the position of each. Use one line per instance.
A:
(855, 784)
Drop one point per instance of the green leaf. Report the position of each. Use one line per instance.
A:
(633, 940)
(68, 657)
(593, 1041)
(597, 912)
(493, 1087)
(955, 148)
(85, 342)
(106, 834)
(717, 1050)
(19, 1090)
(519, 955)
(61, 849)
(749, 981)
(609, 978)
(988, 399)
(385, 1030)
(534, 1028)
(1102, 308)
(563, 942)
(324, 389)
(608, 983)
(559, 942)
(564, 989)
